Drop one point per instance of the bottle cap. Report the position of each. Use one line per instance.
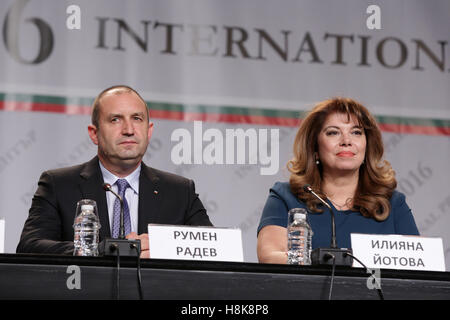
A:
(87, 207)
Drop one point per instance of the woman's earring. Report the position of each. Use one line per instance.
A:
(316, 157)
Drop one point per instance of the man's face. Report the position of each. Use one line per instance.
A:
(123, 131)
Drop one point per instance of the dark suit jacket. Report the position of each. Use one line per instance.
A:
(49, 227)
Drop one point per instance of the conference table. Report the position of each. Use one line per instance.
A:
(32, 276)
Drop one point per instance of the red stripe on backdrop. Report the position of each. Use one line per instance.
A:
(218, 117)
(212, 117)
(44, 107)
(416, 129)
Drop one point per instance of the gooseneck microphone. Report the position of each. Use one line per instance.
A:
(121, 246)
(112, 246)
(307, 188)
(107, 187)
(334, 255)
(324, 255)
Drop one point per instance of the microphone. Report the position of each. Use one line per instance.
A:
(307, 188)
(324, 255)
(107, 187)
(120, 246)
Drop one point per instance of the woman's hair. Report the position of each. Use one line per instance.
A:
(376, 176)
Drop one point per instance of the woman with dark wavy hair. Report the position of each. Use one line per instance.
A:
(338, 151)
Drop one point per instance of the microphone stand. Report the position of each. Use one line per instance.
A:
(333, 255)
(120, 246)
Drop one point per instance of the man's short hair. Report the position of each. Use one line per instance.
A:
(119, 89)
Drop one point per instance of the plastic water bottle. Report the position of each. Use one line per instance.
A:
(299, 237)
(86, 229)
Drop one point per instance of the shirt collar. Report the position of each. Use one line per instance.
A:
(132, 178)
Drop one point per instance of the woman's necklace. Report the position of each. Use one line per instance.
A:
(341, 207)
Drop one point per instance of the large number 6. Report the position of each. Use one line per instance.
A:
(11, 34)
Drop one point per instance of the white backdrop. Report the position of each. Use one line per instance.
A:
(232, 64)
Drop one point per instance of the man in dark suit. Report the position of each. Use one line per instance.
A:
(121, 129)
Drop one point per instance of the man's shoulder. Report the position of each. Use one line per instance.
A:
(73, 171)
(165, 176)
(64, 171)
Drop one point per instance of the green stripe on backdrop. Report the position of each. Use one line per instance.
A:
(206, 109)
(442, 123)
(45, 99)
(229, 110)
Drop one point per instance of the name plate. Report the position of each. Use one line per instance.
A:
(195, 243)
(398, 252)
(2, 235)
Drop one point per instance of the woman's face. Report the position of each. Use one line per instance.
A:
(341, 144)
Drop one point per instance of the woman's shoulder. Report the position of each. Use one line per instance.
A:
(402, 215)
(282, 188)
(399, 208)
(397, 198)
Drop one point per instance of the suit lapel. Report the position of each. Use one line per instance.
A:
(91, 186)
(149, 198)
